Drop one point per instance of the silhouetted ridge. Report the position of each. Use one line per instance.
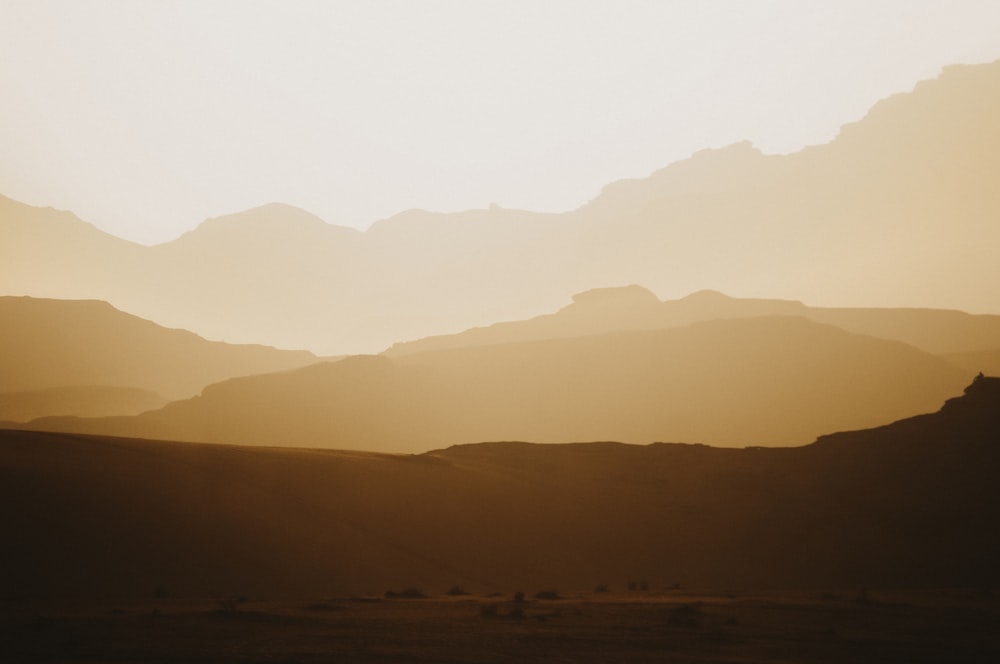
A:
(967, 421)
(982, 395)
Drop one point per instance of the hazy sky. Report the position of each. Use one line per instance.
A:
(145, 118)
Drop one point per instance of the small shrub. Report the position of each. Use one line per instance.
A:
(519, 597)
(688, 615)
(456, 591)
(321, 606)
(864, 598)
(601, 588)
(406, 593)
(231, 604)
(547, 594)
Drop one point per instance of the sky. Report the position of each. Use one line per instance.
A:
(147, 117)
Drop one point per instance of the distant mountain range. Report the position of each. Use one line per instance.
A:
(911, 504)
(900, 208)
(86, 358)
(966, 338)
(778, 380)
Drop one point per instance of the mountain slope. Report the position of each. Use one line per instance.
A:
(777, 380)
(911, 504)
(79, 343)
(898, 210)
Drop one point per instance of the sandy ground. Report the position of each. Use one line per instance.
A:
(676, 626)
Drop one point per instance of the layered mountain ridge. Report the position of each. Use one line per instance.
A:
(773, 380)
(907, 195)
(937, 331)
(84, 357)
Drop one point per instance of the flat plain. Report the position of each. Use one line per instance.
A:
(653, 626)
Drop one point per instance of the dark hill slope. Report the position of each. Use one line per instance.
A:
(913, 503)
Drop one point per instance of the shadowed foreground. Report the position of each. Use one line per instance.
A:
(633, 627)
(119, 550)
(911, 504)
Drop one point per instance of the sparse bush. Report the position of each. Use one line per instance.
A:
(601, 588)
(456, 591)
(493, 611)
(688, 615)
(321, 606)
(518, 597)
(231, 604)
(547, 594)
(406, 593)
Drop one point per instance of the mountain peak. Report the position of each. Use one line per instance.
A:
(270, 219)
(706, 295)
(632, 295)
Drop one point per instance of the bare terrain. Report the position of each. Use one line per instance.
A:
(653, 626)
(910, 504)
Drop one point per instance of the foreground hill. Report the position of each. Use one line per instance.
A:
(964, 336)
(900, 205)
(775, 380)
(912, 503)
(84, 357)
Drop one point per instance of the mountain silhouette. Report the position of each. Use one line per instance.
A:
(899, 209)
(82, 357)
(967, 339)
(769, 380)
(76, 401)
(909, 504)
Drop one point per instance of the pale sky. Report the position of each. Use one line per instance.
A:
(145, 118)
